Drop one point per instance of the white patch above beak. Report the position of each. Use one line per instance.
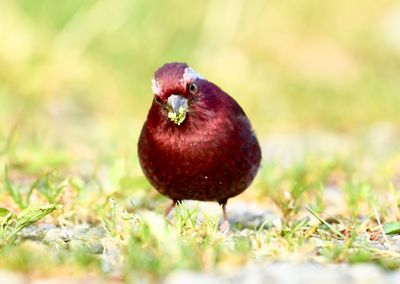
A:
(155, 87)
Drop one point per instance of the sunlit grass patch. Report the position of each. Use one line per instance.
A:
(12, 224)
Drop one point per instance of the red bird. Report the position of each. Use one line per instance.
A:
(197, 142)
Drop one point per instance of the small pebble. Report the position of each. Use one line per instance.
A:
(9, 277)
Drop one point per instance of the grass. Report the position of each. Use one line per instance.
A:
(322, 94)
(11, 224)
(313, 226)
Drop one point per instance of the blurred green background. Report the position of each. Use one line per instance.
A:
(75, 75)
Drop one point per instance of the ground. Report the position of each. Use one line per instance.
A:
(319, 199)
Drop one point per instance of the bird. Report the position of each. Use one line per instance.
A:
(197, 142)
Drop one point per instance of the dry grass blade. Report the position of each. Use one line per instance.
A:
(336, 232)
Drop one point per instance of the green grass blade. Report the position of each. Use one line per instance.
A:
(15, 194)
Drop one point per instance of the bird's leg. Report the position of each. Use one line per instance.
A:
(170, 207)
(225, 226)
(224, 214)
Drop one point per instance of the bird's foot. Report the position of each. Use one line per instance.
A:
(225, 227)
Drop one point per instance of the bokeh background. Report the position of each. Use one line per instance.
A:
(75, 75)
(319, 80)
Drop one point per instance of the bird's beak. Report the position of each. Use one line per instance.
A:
(177, 107)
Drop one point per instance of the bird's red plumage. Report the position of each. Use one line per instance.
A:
(212, 156)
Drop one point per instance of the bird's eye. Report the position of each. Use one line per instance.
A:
(157, 99)
(192, 88)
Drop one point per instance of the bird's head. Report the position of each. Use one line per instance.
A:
(175, 86)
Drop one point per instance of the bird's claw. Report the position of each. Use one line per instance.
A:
(225, 227)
